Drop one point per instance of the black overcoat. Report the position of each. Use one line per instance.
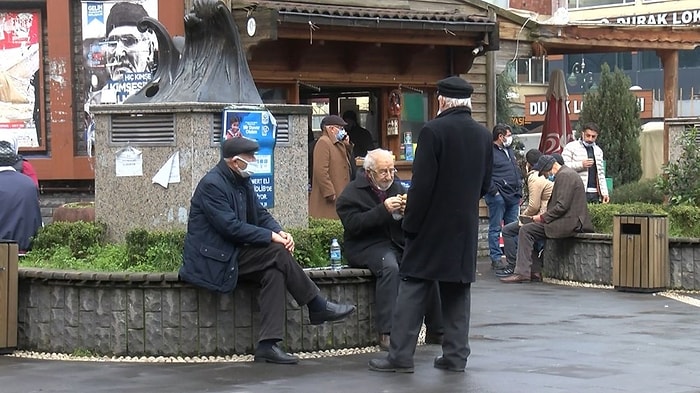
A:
(224, 215)
(451, 172)
(369, 229)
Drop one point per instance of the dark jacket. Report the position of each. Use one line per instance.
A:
(224, 215)
(451, 172)
(506, 177)
(370, 229)
(567, 210)
(20, 215)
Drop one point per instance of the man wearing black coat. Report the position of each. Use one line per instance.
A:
(371, 209)
(230, 235)
(451, 172)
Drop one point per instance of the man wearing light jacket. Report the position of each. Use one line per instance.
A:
(586, 158)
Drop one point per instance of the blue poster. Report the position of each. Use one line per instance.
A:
(261, 126)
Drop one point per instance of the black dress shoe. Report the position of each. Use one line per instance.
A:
(444, 364)
(274, 355)
(332, 312)
(384, 365)
(384, 341)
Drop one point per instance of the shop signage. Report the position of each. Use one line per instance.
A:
(687, 17)
(536, 105)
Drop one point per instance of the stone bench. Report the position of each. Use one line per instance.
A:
(155, 314)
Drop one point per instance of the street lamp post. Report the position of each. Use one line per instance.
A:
(582, 78)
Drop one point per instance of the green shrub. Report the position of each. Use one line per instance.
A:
(681, 179)
(312, 244)
(159, 250)
(78, 237)
(642, 191)
(683, 221)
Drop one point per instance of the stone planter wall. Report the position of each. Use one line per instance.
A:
(156, 314)
(588, 258)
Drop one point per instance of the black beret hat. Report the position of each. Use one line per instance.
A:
(124, 14)
(558, 158)
(333, 120)
(454, 87)
(544, 164)
(235, 146)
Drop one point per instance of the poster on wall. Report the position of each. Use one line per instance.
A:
(118, 59)
(19, 75)
(261, 126)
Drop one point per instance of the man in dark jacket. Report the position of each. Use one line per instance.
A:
(371, 208)
(20, 216)
(451, 172)
(505, 192)
(230, 235)
(566, 215)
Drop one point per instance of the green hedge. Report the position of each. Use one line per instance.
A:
(683, 220)
(81, 246)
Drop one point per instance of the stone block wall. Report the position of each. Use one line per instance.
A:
(157, 315)
(589, 258)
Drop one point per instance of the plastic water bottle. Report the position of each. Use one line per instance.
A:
(336, 256)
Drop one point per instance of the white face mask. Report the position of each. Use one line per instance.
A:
(248, 171)
(508, 141)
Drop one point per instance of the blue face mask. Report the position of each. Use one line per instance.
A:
(588, 144)
(341, 134)
(550, 177)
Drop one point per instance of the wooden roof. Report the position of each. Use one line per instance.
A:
(599, 38)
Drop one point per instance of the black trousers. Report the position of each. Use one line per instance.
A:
(408, 317)
(276, 271)
(386, 272)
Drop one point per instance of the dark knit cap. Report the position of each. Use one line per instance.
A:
(532, 156)
(454, 87)
(124, 14)
(235, 146)
(558, 158)
(544, 164)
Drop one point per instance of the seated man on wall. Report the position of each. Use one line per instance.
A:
(371, 209)
(566, 215)
(230, 235)
(539, 190)
(20, 216)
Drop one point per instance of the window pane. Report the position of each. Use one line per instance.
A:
(537, 75)
(523, 70)
(689, 58)
(594, 3)
(649, 61)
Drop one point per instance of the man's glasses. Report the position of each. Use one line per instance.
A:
(387, 171)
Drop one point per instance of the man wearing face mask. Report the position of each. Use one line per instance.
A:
(503, 198)
(586, 157)
(333, 167)
(231, 236)
(371, 209)
(566, 215)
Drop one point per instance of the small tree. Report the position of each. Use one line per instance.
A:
(504, 85)
(680, 181)
(616, 111)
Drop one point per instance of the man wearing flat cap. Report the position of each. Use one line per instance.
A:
(333, 167)
(451, 172)
(566, 215)
(231, 236)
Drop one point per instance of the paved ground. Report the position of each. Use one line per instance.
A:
(539, 338)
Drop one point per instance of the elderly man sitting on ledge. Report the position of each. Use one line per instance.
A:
(371, 209)
(566, 215)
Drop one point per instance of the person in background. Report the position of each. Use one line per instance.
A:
(539, 191)
(566, 215)
(360, 137)
(503, 198)
(586, 158)
(9, 153)
(451, 172)
(371, 209)
(333, 167)
(20, 215)
(231, 236)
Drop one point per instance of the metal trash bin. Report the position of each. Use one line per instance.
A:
(8, 295)
(640, 252)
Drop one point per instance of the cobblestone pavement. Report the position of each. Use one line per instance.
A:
(540, 338)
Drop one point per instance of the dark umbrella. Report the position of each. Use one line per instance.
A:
(556, 130)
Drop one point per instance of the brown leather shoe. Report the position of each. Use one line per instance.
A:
(515, 278)
(383, 341)
(536, 277)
